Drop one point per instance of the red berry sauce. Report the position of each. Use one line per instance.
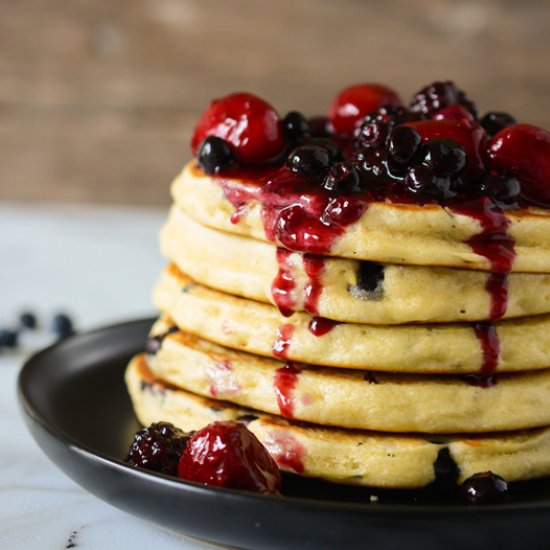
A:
(487, 335)
(286, 450)
(284, 383)
(314, 266)
(284, 285)
(283, 340)
(319, 326)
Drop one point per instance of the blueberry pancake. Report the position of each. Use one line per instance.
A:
(354, 457)
(260, 328)
(340, 289)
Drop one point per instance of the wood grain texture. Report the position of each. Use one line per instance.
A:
(98, 99)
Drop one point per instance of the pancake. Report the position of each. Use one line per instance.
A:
(343, 290)
(259, 328)
(426, 234)
(346, 456)
(353, 399)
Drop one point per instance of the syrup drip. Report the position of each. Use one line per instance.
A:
(314, 266)
(286, 450)
(283, 285)
(480, 380)
(319, 326)
(490, 345)
(284, 383)
(283, 341)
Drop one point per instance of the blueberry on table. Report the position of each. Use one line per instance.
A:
(62, 325)
(28, 320)
(8, 338)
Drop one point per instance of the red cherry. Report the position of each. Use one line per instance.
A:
(355, 102)
(523, 151)
(453, 112)
(470, 135)
(227, 454)
(250, 126)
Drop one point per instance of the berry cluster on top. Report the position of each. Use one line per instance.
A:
(436, 149)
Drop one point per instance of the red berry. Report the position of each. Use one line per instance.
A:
(453, 112)
(227, 454)
(523, 151)
(469, 135)
(250, 126)
(356, 102)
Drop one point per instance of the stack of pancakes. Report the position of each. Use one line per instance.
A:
(420, 337)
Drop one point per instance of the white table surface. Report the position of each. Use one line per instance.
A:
(98, 264)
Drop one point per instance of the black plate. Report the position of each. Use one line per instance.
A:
(75, 404)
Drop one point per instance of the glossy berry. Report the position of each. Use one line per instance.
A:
(372, 133)
(440, 95)
(342, 178)
(28, 320)
(355, 102)
(503, 189)
(8, 338)
(494, 122)
(249, 125)
(227, 454)
(311, 161)
(469, 135)
(403, 143)
(214, 155)
(334, 152)
(453, 112)
(62, 325)
(296, 127)
(445, 156)
(523, 151)
(423, 182)
(485, 488)
(158, 448)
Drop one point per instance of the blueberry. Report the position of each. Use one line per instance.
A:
(485, 488)
(493, 122)
(311, 161)
(8, 338)
(424, 182)
(319, 126)
(372, 133)
(28, 320)
(296, 126)
(62, 325)
(403, 143)
(370, 276)
(342, 178)
(445, 156)
(504, 190)
(214, 154)
(332, 149)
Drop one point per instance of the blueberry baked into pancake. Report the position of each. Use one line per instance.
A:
(365, 291)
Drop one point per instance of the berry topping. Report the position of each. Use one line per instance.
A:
(311, 161)
(296, 126)
(440, 95)
(494, 122)
(319, 126)
(214, 155)
(403, 144)
(249, 125)
(503, 190)
(355, 102)
(453, 112)
(422, 180)
(523, 151)
(469, 135)
(485, 488)
(28, 320)
(343, 178)
(62, 325)
(333, 150)
(227, 454)
(158, 448)
(8, 338)
(445, 156)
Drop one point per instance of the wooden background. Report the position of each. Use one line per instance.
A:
(98, 98)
